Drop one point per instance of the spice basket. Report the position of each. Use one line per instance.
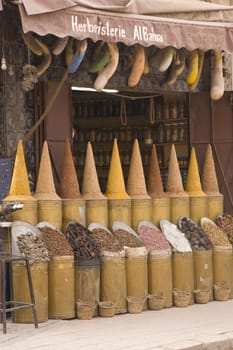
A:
(107, 308)
(202, 296)
(181, 297)
(156, 301)
(135, 304)
(85, 309)
(221, 291)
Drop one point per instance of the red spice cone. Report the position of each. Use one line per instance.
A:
(155, 185)
(136, 185)
(90, 185)
(115, 185)
(69, 186)
(174, 180)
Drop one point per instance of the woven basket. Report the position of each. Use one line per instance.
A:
(202, 296)
(107, 309)
(135, 304)
(156, 302)
(181, 297)
(221, 291)
(85, 309)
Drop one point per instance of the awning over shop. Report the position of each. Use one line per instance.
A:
(116, 25)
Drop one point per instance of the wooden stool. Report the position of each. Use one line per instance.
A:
(12, 305)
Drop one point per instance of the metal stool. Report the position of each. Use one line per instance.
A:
(12, 305)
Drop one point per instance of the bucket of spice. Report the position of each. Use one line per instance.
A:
(202, 296)
(135, 304)
(181, 297)
(107, 308)
(85, 309)
(156, 301)
(221, 291)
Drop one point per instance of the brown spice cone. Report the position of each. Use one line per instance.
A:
(90, 185)
(193, 185)
(209, 177)
(19, 183)
(174, 180)
(115, 185)
(69, 186)
(155, 185)
(45, 187)
(136, 185)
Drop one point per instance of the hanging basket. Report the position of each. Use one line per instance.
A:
(221, 291)
(135, 304)
(156, 301)
(107, 308)
(85, 309)
(181, 297)
(202, 296)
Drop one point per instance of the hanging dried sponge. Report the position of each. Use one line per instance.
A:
(69, 186)
(90, 185)
(174, 180)
(209, 177)
(136, 185)
(115, 184)
(155, 185)
(193, 186)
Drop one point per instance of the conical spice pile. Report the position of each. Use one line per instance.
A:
(90, 184)
(115, 185)
(136, 185)
(155, 185)
(193, 186)
(174, 180)
(69, 186)
(209, 177)
(45, 187)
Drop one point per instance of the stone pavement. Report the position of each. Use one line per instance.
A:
(199, 326)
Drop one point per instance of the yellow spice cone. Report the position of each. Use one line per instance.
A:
(193, 185)
(90, 185)
(136, 185)
(19, 184)
(209, 177)
(155, 185)
(45, 186)
(115, 185)
(69, 186)
(174, 180)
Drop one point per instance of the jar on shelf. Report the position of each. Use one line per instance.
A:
(174, 133)
(181, 133)
(160, 134)
(147, 136)
(122, 135)
(128, 135)
(173, 111)
(180, 110)
(166, 112)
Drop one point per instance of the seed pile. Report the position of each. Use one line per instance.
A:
(153, 238)
(81, 241)
(55, 242)
(195, 234)
(106, 240)
(128, 239)
(32, 247)
(215, 234)
(225, 222)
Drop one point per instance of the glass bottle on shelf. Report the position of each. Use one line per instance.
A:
(173, 111)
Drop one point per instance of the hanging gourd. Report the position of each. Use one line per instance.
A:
(138, 66)
(177, 67)
(201, 56)
(193, 67)
(217, 79)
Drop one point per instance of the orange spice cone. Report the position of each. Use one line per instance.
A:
(45, 186)
(209, 177)
(19, 183)
(90, 185)
(174, 180)
(155, 185)
(69, 186)
(115, 185)
(136, 185)
(193, 185)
